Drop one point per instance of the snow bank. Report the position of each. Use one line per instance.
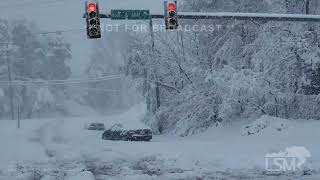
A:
(18, 145)
(263, 123)
(86, 175)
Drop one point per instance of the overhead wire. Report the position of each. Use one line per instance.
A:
(97, 89)
(58, 31)
(59, 82)
(33, 4)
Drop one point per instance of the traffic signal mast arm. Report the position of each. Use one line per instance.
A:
(250, 16)
(237, 16)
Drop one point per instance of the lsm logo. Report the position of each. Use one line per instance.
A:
(291, 159)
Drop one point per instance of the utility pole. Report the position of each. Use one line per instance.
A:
(11, 89)
(19, 116)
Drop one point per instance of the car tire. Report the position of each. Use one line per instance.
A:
(125, 139)
(106, 135)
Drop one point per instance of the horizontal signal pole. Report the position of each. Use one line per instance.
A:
(251, 16)
(238, 16)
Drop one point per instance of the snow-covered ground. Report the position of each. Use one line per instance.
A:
(62, 149)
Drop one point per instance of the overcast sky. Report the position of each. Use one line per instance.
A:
(49, 16)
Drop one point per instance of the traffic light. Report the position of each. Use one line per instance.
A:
(171, 19)
(93, 20)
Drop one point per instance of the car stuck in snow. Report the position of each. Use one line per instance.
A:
(96, 127)
(118, 132)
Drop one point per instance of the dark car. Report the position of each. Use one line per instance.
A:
(96, 127)
(139, 135)
(117, 133)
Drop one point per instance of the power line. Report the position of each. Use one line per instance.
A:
(58, 31)
(26, 4)
(64, 80)
(68, 80)
(98, 90)
(53, 32)
(60, 82)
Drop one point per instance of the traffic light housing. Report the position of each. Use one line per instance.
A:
(93, 20)
(171, 18)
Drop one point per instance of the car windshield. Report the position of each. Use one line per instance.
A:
(159, 89)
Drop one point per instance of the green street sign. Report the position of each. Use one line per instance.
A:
(138, 14)
(120, 14)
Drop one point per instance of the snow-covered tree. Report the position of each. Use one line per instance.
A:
(240, 70)
(32, 57)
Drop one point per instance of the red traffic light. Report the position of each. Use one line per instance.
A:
(172, 7)
(92, 7)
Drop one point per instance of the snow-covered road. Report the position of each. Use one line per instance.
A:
(63, 149)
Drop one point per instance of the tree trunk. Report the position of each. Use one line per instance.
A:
(307, 6)
(158, 95)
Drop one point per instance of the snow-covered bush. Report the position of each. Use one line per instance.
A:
(190, 113)
(86, 175)
(265, 122)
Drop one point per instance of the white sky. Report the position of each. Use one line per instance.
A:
(48, 16)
